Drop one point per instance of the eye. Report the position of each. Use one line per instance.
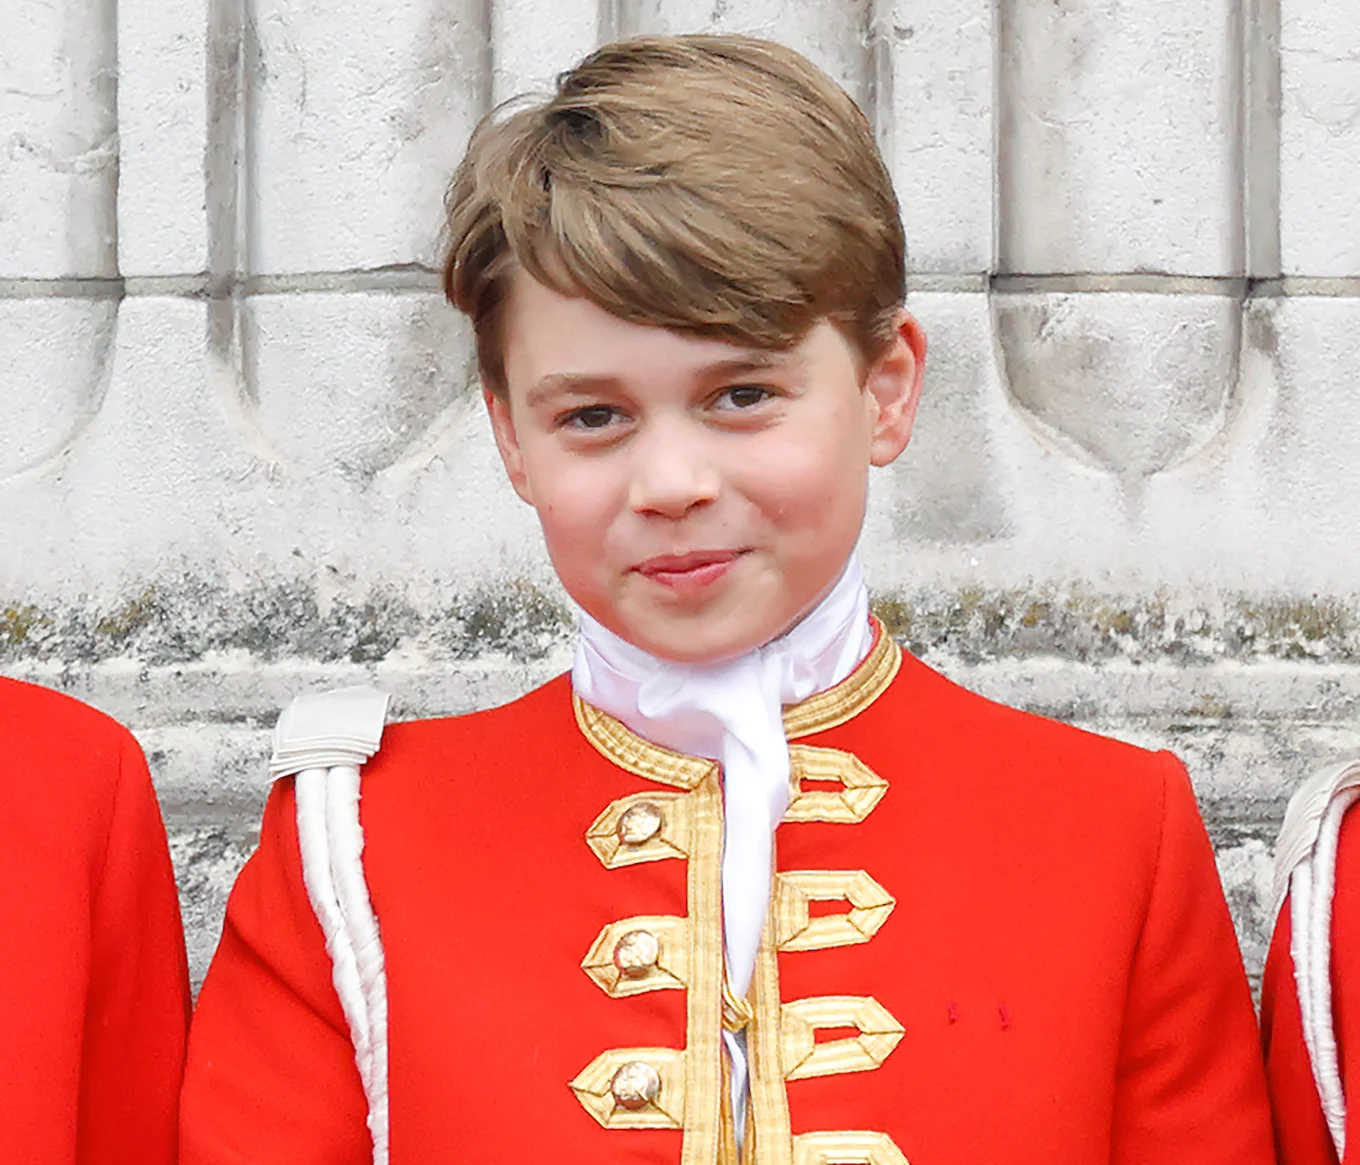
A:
(744, 396)
(590, 417)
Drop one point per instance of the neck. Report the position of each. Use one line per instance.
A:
(656, 697)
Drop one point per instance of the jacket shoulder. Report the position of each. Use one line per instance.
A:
(43, 729)
(1013, 790)
(37, 707)
(535, 722)
(63, 762)
(926, 712)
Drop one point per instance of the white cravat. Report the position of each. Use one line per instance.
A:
(732, 712)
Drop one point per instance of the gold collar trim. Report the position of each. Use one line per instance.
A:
(625, 748)
(629, 751)
(853, 694)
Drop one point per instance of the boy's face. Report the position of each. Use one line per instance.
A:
(697, 497)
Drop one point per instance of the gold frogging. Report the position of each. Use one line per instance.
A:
(681, 1088)
(660, 1088)
(794, 928)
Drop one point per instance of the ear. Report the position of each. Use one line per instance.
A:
(894, 386)
(507, 441)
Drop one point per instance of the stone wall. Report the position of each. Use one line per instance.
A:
(241, 454)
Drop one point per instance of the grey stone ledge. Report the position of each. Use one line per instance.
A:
(413, 278)
(236, 689)
(404, 278)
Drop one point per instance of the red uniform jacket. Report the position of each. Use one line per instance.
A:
(1301, 1134)
(994, 940)
(93, 980)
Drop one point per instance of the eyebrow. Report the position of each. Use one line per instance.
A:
(586, 383)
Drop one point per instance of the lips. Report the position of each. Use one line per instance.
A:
(680, 563)
(696, 569)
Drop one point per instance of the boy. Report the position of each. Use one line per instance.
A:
(1310, 996)
(94, 981)
(975, 937)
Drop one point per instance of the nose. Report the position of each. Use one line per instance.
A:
(673, 472)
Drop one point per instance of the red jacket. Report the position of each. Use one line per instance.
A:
(93, 978)
(995, 940)
(1301, 1134)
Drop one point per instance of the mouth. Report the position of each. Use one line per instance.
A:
(688, 572)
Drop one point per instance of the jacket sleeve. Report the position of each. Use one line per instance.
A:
(1301, 1135)
(271, 1075)
(137, 1000)
(1190, 1088)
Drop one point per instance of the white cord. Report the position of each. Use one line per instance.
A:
(325, 740)
(1312, 887)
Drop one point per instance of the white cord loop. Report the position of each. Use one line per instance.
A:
(324, 740)
(1305, 870)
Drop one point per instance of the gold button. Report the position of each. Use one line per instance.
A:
(639, 823)
(635, 1085)
(636, 953)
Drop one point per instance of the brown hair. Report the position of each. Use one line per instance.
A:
(717, 185)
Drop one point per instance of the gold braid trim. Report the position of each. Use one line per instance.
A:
(800, 1020)
(625, 748)
(837, 1148)
(852, 695)
(703, 1020)
(768, 1126)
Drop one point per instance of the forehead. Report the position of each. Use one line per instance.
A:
(549, 335)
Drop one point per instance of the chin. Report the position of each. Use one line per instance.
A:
(690, 642)
(688, 653)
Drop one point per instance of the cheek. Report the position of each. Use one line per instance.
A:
(804, 480)
(571, 509)
(576, 501)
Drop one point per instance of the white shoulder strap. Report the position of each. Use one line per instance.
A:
(324, 740)
(1305, 870)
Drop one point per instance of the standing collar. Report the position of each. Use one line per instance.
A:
(839, 703)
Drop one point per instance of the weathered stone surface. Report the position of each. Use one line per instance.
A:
(1130, 385)
(835, 36)
(192, 620)
(355, 382)
(135, 481)
(355, 125)
(948, 494)
(308, 458)
(1307, 420)
(1245, 870)
(207, 859)
(162, 136)
(58, 355)
(212, 783)
(1074, 623)
(534, 40)
(224, 632)
(1133, 443)
(1116, 137)
(1320, 138)
(935, 104)
(58, 139)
